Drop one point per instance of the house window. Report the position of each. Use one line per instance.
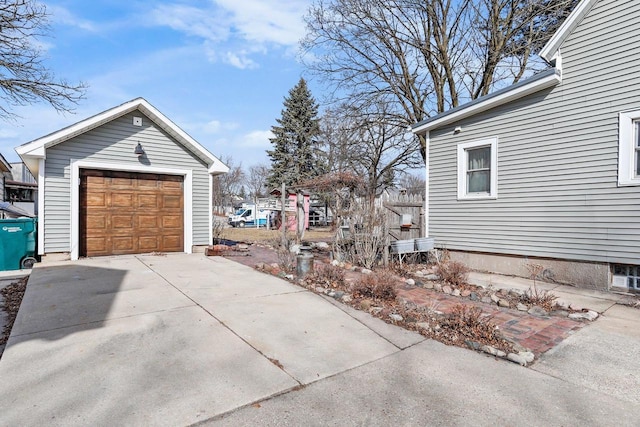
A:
(478, 169)
(636, 140)
(629, 148)
(626, 276)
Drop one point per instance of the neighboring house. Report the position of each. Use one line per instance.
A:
(125, 181)
(547, 171)
(5, 173)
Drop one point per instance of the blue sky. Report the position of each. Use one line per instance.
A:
(219, 69)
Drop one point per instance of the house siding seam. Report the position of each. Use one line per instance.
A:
(557, 157)
(114, 142)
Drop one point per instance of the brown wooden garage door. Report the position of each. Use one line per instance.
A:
(129, 213)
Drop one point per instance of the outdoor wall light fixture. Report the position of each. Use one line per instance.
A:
(139, 151)
(457, 130)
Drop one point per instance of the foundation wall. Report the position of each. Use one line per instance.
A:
(587, 275)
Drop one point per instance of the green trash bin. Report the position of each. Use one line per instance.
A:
(17, 243)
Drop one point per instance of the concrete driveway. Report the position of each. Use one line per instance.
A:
(183, 339)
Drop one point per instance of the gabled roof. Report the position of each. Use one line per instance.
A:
(540, 81)
(550, 50)
(34, 150)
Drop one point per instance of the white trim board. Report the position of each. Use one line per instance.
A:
(76, 165)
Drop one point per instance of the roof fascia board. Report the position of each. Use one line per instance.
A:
(550, 50)
(551, 78)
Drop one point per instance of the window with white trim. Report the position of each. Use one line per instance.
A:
(478, 169)
(629, 148)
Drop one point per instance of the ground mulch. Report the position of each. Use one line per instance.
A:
(11, 299)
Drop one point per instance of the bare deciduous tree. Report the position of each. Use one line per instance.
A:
(227, 185)
(24, 78)
(421, 57)
(257, 180)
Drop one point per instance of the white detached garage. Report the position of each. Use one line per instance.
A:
(125, 181)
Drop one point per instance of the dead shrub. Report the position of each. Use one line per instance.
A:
(286, 260)
(453, 272)
(377, 285)
(329, 276)
(544, 299)
(467, 321)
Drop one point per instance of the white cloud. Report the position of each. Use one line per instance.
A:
(240, 29)
(257, 139)
(64, 16)
(216, 126)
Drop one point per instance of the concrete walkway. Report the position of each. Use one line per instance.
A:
(183, 339)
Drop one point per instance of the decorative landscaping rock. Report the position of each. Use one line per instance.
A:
(424, 325)
(274, 265)
(366, 271)
(537, 311)
(419, 274)
(396, 317)
(323, 246)
(516, 358)
(486, 300)
(575, 307)
(493, 351)
(375, 310)
(331, 294)
(455, 292)
(432, 277)
(494, 298)
(410, 282)
(347, 298)
(473, 345)
(522, 307)
(584, 315)
(365, 304)
(560, 313)
(260, 266)
(503, 303)
(338, 295)
(427, 285)
(527, 356)
(437, 287)
(516, 292)
(320, 290)
(335, 263)
(465, 293)
(473, 296)
(241, 247)
(561, 304)
(447, 289)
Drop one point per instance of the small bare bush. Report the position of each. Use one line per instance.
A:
(378, 285)
(329, 275)
(468, 322)
(453, 272)
(533, 295)
(286, 260)
(218, 227)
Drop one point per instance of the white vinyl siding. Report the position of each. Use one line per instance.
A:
(557, 157)
(115, 142)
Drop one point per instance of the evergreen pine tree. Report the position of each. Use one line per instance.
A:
(294, 156)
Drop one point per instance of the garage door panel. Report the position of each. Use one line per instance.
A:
(127, 212)
(97, 244)
(147, 201)
(122, 222)
(148, 222)
(97, 200)
(172, 242)
(96, 222)
(149, 243)
(122, 244)
(172, 201)
(121, 199)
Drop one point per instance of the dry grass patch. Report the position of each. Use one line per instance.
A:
(250, 234)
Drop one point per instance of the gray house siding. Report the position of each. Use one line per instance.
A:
(557, 157)
(114, 142)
